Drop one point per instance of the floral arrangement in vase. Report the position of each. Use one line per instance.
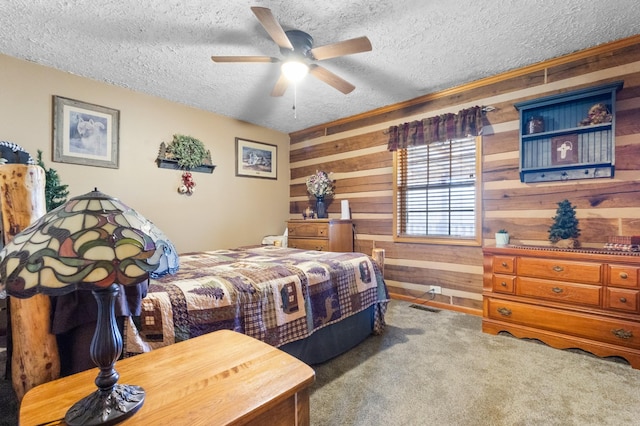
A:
(320, 185)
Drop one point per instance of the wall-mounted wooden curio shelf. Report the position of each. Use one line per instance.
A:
(170, 163)
(569, 135)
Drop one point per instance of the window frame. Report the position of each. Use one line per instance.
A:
(476, 240)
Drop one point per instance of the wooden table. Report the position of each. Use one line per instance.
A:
(221, 378)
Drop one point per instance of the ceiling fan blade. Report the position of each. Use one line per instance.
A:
(331, 79)
(281, 86)
(342, 48)
(272, 27)
(244, 59)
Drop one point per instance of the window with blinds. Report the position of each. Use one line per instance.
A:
(437, 190)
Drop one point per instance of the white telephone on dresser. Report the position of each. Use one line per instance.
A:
(276, 240)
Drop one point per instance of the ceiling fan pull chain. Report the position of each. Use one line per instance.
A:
(295, 97)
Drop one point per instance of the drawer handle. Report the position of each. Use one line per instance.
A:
(557, 290)
(624, 275)
(622, 333)
(558, 268)
(503, 284)
(504, 312)
(504, 264)
(623, 299)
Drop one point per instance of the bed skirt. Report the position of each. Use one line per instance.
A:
(333, 340)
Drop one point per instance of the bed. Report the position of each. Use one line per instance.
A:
(313, 305)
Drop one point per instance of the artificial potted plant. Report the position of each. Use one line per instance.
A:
(502, 237)
(188, 151)
(55, 193)
(185, 153)
(565, 232)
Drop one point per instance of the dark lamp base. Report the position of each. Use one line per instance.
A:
(106, 408)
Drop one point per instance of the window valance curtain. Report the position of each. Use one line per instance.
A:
(467, 122)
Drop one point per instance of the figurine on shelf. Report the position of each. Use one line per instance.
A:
(535, 125)
(598, 114)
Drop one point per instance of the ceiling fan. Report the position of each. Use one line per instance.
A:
(297, 49)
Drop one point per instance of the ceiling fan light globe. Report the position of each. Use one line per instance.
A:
(294, 71)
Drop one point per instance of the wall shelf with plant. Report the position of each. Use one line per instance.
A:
(185, 153)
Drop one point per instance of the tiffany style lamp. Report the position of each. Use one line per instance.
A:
(92, 242)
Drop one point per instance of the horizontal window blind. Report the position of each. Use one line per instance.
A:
(436, 189)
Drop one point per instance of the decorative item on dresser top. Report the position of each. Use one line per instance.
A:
(321, 234)
(502, 237)
(623, 243)
(321, 187)
(308, 213)
(564, 232)
(567, 298)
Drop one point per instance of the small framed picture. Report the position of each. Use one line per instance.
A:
(564, 149)
(84, 133)
(256, 159)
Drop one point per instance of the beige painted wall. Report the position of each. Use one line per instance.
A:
(225, 211)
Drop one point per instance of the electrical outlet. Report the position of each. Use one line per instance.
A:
(435, 289)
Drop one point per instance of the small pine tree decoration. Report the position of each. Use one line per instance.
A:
(566, 224)
(55, 194)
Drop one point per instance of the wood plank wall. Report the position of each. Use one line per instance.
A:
(354, 150)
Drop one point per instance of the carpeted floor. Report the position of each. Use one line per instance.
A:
(438, 368)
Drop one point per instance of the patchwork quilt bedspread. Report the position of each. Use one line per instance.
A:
(275, 294)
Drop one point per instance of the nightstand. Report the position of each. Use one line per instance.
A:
(321, 234)
(220, 378)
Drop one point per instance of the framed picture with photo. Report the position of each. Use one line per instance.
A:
(256, 159)
(84, 133)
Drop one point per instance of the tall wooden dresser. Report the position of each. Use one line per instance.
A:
(587, 299)
(321, 234)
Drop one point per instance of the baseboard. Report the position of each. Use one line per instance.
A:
(439, 305)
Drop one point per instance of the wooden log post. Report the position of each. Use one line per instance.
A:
(378, 256)
(34, 353)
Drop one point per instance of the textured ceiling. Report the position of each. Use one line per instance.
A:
(163, 47)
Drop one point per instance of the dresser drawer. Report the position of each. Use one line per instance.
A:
(622, 299)
(504, 264)
(323, 234)
(582, 272)
(503, 283)
(599, 328)
(623, 276)
(308, 229)
(558, 291)
(309, 244)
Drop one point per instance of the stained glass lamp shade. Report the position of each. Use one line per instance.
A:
(92, 242)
